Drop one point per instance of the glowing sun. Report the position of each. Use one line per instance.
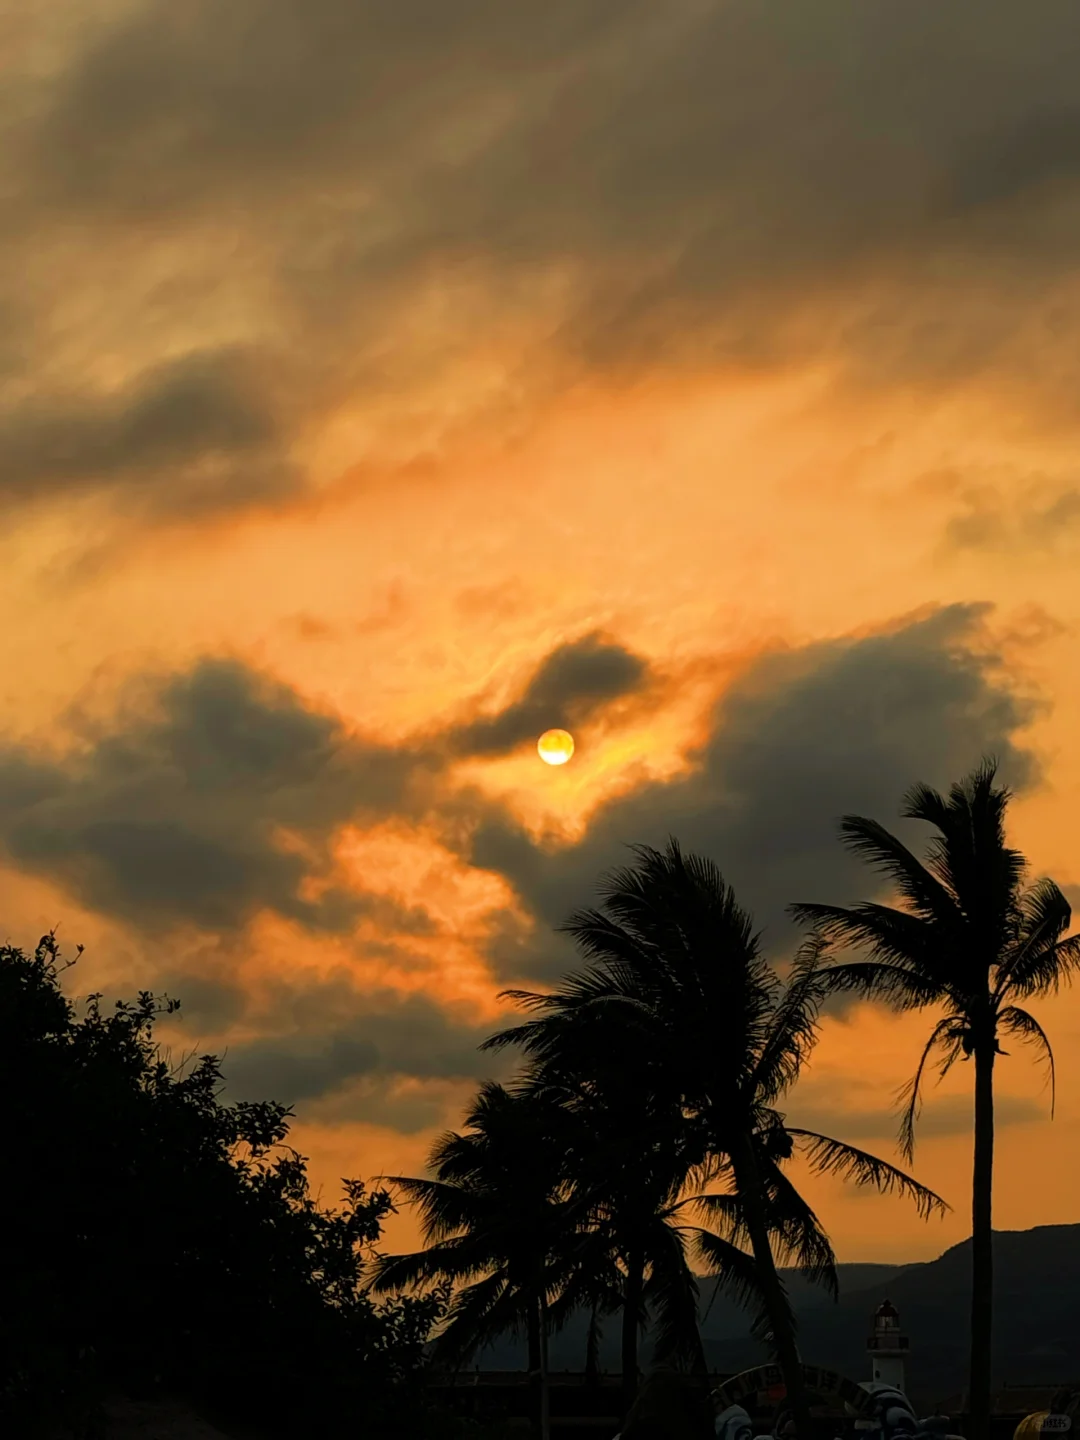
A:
(555, 747)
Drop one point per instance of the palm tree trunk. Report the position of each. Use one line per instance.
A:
(982, 1256)
(700, 1366)
(545, 1381)
(635, 1284)
(592, 1350)
(534, 1329)
(751, 1193)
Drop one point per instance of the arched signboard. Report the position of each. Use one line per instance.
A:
(767, 1382)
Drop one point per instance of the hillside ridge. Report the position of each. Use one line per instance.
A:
(1037, 1324)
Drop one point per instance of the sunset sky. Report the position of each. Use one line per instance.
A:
(385, 381)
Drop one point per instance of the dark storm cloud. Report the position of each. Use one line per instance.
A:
(188, 436)
(714, 145)
(168, 109)
(1038, 151)
(804, 737)
(213, 1001)
(175, 816)
(383, 1038)
(336, 1051)
(660, 118)
(576, 680)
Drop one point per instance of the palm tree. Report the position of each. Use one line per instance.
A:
(971, 937)
(631, 1167)
(675, 988)
(497, 1222)
(526, 1218)
(549, 1204)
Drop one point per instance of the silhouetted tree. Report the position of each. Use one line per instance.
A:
(154, 1236)
(631, 1160)
(499, 1225)
(632, 1173)
(971, 938)
(675, 984)
(555, 1198)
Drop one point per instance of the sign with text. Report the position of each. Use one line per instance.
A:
(767, 1382)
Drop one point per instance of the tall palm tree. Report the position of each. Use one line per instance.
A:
(497, 1222)
(971, 937)
(675, 987)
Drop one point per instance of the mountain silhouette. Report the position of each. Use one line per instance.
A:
(1037, 1319)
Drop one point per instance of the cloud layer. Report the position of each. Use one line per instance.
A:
(383, 1040)
(184, 814)
(342, 198)
(221, 798)
(184, 437)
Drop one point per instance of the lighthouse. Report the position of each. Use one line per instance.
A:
(887, 1348)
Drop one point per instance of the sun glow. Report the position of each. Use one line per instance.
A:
(555, 747)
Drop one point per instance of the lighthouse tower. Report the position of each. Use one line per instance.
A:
(887, 1348)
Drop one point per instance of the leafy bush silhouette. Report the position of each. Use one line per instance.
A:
(156, 1238)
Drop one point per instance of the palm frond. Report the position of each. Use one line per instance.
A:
(922, 891)
(1040, 961)
(456, 1260)
(802, 1240)
(793, 1024)
(445, 1210)
(736, 1273)
(677, 916)
(911, 1094)
(1044, 972)
(478, 1315)
(969, 855)
(594, 1283)
(905, 945)
(722, 1214)
(739, 1278)
(607, 941)
(894, 984)
(519, 1036)
(1015, 1021)
(923, 802)
(834, 1157)
(671, 1292)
